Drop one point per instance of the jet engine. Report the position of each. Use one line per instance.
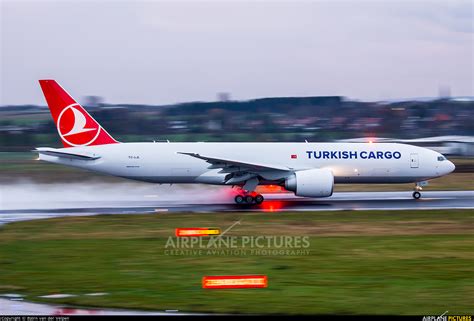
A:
(311, 183)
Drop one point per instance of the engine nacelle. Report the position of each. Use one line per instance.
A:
(311, 183)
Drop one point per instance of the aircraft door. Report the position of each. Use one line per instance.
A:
(414, 162)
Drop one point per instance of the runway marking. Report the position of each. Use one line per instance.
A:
(11, 296)
(96, 294)
(57, 296)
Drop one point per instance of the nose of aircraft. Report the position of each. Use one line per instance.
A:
(449, 167)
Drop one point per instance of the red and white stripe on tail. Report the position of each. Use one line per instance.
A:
(75, 126)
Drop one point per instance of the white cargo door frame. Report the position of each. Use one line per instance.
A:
(414, 163)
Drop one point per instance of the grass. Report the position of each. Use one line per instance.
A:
(367, 262)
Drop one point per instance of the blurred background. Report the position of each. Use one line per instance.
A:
(240, 71)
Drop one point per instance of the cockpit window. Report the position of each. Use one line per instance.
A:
(441, 158)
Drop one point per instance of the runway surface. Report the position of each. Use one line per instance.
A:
(273, 203)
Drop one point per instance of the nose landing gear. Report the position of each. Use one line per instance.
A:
(418, 188)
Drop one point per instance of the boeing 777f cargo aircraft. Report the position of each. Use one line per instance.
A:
(307, 169)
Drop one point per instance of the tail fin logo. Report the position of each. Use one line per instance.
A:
(76, 127)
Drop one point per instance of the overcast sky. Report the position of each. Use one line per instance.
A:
(165, 52)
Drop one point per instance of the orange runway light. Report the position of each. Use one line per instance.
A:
(197, 231)
(234, 282)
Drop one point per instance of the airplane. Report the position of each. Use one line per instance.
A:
(306, 169)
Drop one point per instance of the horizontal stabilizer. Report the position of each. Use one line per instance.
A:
(60, 153)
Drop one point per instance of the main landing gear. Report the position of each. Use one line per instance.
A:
(248, 198)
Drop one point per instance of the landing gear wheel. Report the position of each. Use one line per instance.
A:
(249, 199)
(259, 199)
(416, 195)
(239, 199)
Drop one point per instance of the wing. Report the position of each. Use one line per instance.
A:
(227, 163)
(241, 171)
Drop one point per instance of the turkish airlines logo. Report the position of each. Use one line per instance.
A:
(76, 127)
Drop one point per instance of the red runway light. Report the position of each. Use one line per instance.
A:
(234, 282)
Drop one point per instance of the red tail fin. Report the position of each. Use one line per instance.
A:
(75, 126)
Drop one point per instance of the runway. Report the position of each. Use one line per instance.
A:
(273, 203)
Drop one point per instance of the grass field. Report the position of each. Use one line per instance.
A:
(363, 262)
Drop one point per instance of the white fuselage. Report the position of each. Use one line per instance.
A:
(349, 162)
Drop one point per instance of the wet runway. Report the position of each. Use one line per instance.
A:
(273, 203)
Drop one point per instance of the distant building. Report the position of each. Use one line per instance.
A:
(223, 97)
(93, 101)
(447, 145)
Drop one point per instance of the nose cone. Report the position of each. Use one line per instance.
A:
(450, 167)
